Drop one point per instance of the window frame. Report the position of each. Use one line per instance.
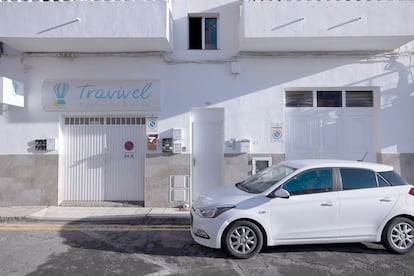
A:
(203, 18)
(256, 159)
(350, 104)
(321, 100)
(307, 93)
(344, 91)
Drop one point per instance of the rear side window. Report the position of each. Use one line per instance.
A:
(393, 178)
(358, 179)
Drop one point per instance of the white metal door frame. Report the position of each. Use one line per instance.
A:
(207, 144)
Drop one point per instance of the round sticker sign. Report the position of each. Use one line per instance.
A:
(129, 145)
(152, 123)
(277, 133)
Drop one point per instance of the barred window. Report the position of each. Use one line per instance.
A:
(359, 99)
(299, 99)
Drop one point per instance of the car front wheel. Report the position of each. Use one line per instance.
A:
(243, 240)
(398, 236)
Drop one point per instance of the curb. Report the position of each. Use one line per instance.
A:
(131, 220)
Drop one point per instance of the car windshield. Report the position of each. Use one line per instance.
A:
(264, 179)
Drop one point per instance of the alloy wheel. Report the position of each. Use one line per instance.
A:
(243, 240)
(402, 235)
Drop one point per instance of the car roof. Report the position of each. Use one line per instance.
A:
(319, 163)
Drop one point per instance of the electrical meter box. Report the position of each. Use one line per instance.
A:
(234, 146)
(177, 133)
(177, 147)
(167, 145)
(45, 145)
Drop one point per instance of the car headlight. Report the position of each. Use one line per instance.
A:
(212, 211)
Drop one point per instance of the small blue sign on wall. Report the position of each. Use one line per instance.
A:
(152, 124)
(277, 133)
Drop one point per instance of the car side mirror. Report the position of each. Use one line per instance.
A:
(282, 193)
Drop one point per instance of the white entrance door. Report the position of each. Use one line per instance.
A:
(207, 149)
(124, 171)
(103, 158)
(83, 159)
(331, 133)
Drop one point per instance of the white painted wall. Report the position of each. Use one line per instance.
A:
(253, 99)
(86, 25)
(314, 25)
(327, 18)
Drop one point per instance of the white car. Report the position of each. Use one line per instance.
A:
(308, 202)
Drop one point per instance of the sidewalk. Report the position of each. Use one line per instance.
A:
(124, 215)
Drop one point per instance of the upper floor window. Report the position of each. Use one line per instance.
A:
(329, 98)
(299, 99)
(359, 99)
(202, 32)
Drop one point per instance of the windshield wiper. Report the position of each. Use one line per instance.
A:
(241, 187)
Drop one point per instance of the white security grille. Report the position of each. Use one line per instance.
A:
(97, 165)
(102, 120)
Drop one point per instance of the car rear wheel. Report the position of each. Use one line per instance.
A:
(243, 240)
(398, 236)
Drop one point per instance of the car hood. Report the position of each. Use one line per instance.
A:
(222, 196)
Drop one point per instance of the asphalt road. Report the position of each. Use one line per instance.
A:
(54, 249)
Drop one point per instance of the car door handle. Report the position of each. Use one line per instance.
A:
(386, 199)
(328, 204)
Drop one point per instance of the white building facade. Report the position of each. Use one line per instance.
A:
(158, 101)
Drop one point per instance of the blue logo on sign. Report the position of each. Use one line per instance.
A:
(61, 89)
(277, 133)
(152, 124)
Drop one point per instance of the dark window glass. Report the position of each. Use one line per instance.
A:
(359, 99)
(329, 98)
(358, 179)
(382, 182)
(195, 34)
(264, 179)
(314, 181)
(261, 165)
(299, 99)
(393, 178)
(210, 33)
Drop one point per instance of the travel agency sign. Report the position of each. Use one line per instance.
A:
(100, 95)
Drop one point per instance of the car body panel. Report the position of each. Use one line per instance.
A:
(223, 195)
(310, 216)
(362, 211)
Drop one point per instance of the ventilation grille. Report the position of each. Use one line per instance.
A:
(104, 120)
